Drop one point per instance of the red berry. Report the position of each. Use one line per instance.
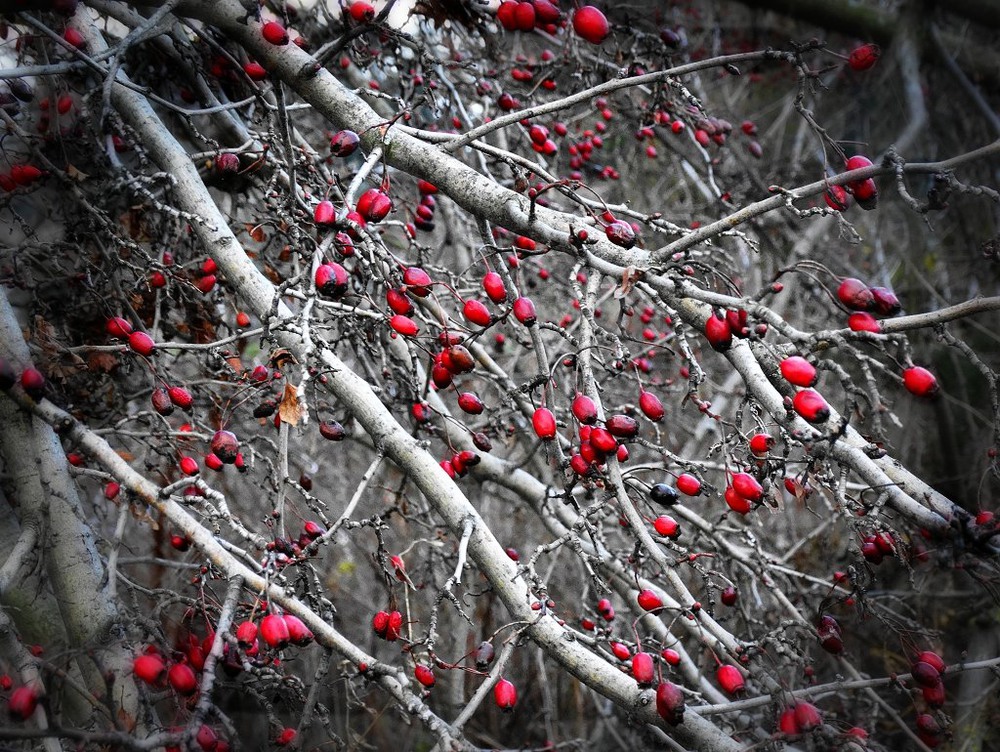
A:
(505, 695)
(417, 281)
(602, 441)
(729, 596)
(736, 502)
(180, 396)
(856, 295)
(920, 382)
(807, 716)
(809, 404)
(591, 24)
(642, 669)
(183, 679)
(730, 679)
(621, 651)
(404, 325)
(22, 703)
(189, 465)
(929, 656)
(671, 656)
(649, 600)
(274, 630)
(476, 312)
(374, 205)
(242, 320)
(75, 38)
(494, 287)
(274, 33)
(688, 484)
(361, 12)
(118, 327)
(925, 674)
(886, 302)
(651, 406)
(111, 490)
(33, 383)
(622, 426)
(344, 143)
(670, 703)
(787, 723)
(255, 72)
(761, 444)
(544, 423)
(747, 486)
(148, 668)
(584, 409)
(863, 322)
(424, 674)
(331, 280)
(524, 311)
(837, 198)
(799, 371)
(718, 333)
(207, 739)
(246, 633)
(286, 737)
(620, 233)
(142, 343)
(667, 526)
(864, 57)
(225, 446)
(298, 633)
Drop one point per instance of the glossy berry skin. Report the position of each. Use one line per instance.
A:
(505, 695)
(274, 33)
(761, 444)
(141, 343)
(180, 396)
(811, 406)
(651, 406)
(737, 503)
(667, 526)
(331, 280)
(332, 430)
(855, 294)
(183, 679)
(862, 321)
(298, 633)
(148, 668)
(591, 24)
(584, 409)
(649, 601)
(688, 485)
(344, 143)
(935, 660)
(424, 675)
(603, 442)
(494, 287)
(622, 426)
(718, 333)
(524, 311)
(747, 486)
(663, 494)
(643, 669)
(621, 651)
(404, 325)
(246, 633)
(374, 205)
(920, 382)
(225, 446)
(22, 703)
(799, 371)
(477, 313)
(886, 302)
(417, 281)
(362, 12)
(620, 233)
(118, 327)
(670, 703)
(274, 631)
(544, 423)
(730, 679)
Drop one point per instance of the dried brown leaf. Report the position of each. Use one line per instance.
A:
(289, 409)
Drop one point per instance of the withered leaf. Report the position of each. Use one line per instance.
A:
(256, 233)
(289, 409)
(280, 357)
(630, 275)
(102, 362)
